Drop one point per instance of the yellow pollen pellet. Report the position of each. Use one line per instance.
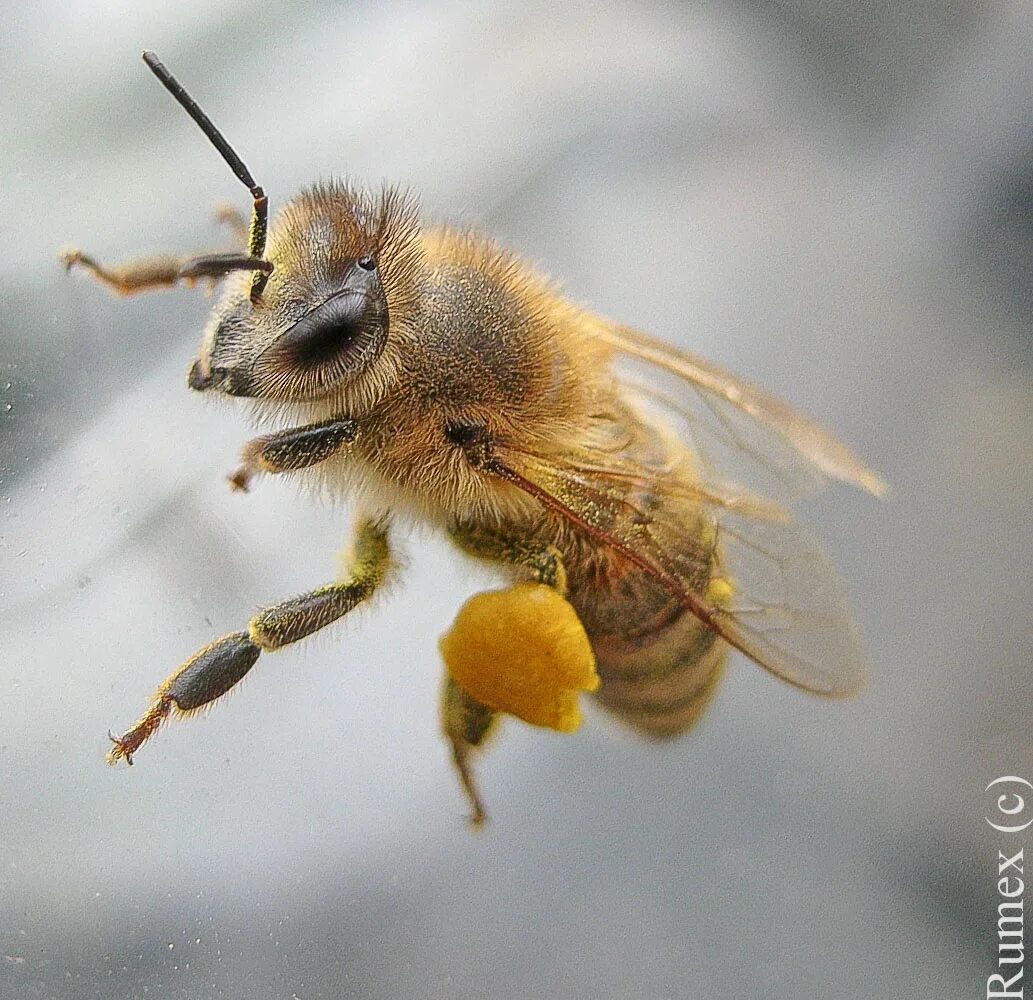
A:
(523, 651)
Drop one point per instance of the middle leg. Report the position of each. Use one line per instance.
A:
(210, 673)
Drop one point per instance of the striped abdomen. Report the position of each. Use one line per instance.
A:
(658, 663)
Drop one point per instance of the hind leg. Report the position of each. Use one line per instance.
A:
(467, 724)
(521, 650)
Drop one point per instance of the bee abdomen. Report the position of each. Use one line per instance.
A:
(660, 683)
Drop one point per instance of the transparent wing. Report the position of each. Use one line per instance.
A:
(739, 432)
(787, 609)
(773, 595)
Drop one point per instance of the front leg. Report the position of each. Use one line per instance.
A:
(165, 270)
(210, 673)
(292, 449)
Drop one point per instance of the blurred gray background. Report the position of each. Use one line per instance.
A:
(831, 198)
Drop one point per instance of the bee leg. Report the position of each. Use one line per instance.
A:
(152, 272)
(234, 219)
(466, 724)
(163, 271)
(543, 562)
(289, 450)
(522, 650)
(212, 671)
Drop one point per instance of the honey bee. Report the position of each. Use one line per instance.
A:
(433, 375)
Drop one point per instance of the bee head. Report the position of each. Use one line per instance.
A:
(344, 265)
(305, 315)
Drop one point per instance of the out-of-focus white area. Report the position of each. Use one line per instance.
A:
(832, 203)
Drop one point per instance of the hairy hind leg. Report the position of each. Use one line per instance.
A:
(521, 650)
(467, 724)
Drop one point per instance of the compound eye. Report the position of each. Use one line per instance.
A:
(333, 342)
(336, 341)
(328, 333)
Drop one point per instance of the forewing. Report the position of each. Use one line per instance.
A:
(739, 432)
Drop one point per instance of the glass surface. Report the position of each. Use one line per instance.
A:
(831, 204)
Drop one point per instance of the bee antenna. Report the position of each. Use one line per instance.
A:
(260, 212)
